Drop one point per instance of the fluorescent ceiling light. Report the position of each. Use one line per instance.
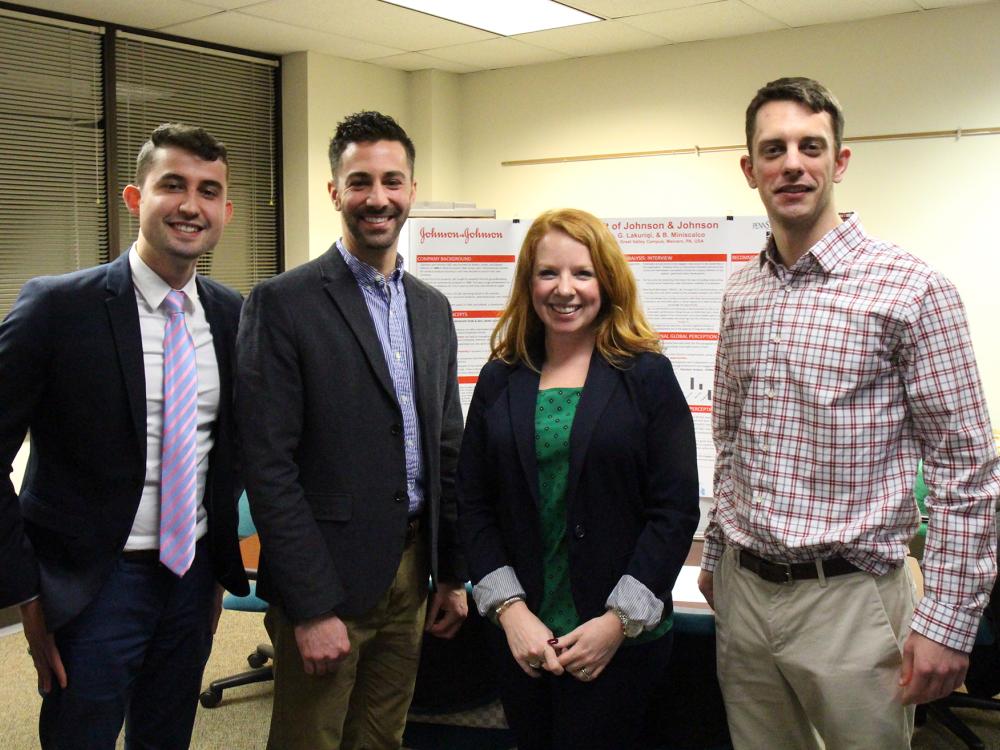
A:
(508, 18)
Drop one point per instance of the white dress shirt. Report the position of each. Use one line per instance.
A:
(150, 291)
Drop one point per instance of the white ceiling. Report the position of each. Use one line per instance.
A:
(384, 34)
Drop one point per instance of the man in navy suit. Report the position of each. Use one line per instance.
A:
(119, 608)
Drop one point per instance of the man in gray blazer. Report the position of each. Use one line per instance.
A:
(347, 399)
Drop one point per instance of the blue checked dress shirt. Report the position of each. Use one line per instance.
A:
(386, 301)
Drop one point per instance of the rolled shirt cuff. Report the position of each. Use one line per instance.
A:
(495, 588)
(637, 602)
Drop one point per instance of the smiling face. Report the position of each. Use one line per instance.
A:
(794, 165)
(373, 190)
(182, 209)
(564, 289)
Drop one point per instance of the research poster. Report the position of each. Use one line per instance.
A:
(681, 265)
(472, 262)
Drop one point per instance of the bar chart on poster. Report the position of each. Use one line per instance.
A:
(681, 265)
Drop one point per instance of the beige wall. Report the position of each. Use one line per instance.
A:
(317, 91)
(435, 107)
(926, 71)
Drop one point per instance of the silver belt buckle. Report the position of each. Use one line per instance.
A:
(788, 571)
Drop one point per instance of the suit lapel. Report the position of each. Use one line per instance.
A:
(343, 289)
(424, 345)
(221, 340)
(523, 396)
(123, 314)
(601, 381)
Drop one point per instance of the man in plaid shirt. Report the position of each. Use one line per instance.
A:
(842, 361)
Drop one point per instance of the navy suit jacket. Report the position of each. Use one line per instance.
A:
(322, 438)
(72, 372)
(632, 491)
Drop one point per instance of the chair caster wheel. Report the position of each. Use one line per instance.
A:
(210, 698)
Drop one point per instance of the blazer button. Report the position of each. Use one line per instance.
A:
(579, 532)
(396, 429)
(400, 497)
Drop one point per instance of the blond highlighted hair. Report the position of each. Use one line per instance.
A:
(621, 327)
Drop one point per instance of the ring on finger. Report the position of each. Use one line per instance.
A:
(535, 664)
(582, 671)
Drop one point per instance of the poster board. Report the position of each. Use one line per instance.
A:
(681, 265)
(471, 261)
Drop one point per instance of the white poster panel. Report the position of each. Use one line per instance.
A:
(681, 265)
(471, 261)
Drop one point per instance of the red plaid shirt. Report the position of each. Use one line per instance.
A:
(832, 379)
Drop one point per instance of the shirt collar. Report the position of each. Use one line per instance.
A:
(366, 274)
(153, 288)
(832, 250)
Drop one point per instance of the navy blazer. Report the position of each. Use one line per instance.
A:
(72, 372)
(632, 491)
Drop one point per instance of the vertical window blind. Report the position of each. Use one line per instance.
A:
(54, 213)
(232, 98)
(53, 216)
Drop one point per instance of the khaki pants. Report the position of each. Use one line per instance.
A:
(807, 665)
(363, 704)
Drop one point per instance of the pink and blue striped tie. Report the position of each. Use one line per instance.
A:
(179, 449)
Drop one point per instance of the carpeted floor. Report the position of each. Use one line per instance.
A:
(241, 722)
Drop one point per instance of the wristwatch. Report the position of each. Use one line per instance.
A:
(631, 628)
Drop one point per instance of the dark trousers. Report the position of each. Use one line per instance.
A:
(135, 655)
(564, 713)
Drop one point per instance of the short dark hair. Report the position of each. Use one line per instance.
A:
(197, 141)
(368, 127)
(805, 91)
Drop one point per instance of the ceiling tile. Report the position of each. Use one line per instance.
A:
(419, 61)
(711, 21)
(502, 52)
(949, 3)
(808, 12)
(375, 30)
(621, 8)
(227, 4)
(239, 30)
(143, 15)
(372, 21)
(593, 39)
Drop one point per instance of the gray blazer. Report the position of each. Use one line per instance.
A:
(323, 442)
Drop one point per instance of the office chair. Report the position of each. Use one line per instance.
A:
(983, 680)
(260, 670)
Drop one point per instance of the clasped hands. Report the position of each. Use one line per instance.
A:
(583, 652)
